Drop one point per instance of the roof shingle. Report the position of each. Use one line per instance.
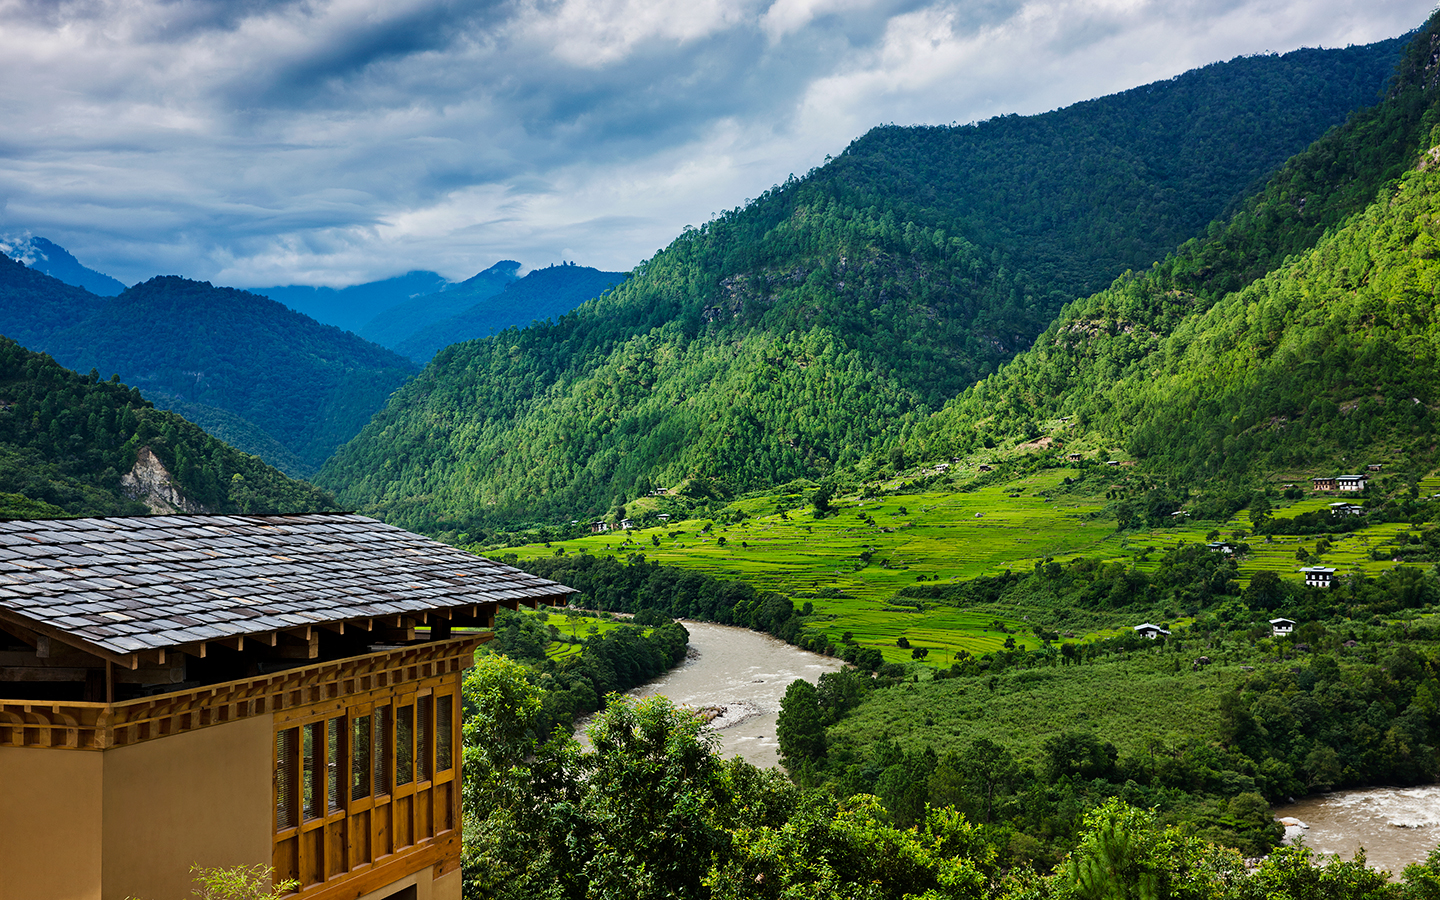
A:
(236, 574)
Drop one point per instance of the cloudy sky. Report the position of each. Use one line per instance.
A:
(256, 142)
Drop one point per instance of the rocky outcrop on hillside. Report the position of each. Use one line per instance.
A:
(151, 483)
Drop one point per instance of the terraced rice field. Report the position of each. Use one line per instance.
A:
(851, 564)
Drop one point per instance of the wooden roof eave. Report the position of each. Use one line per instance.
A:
(124, 660)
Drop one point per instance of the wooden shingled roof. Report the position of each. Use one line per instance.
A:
(127, 585)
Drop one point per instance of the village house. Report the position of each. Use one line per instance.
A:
(1351, 482)
(1072, 457)
(1322, 483)
(1223, 547)
(236, 690)
(1281, 627)
(601, 527)
(626, 524)
(1112, 462)
(1346, 509)
(1318, 576)
(1149, 631)
(1373, 467)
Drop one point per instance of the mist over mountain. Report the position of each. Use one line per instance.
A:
(52, 259)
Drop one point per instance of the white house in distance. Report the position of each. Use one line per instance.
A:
(1281, 627)
(1149, 631)
(1351, 482)
(1318, 576)
(1346, 509)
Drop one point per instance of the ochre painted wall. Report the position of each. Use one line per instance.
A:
(196, 798)
(50, 824)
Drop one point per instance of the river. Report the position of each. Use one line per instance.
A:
(1396, 826)
(744, 674)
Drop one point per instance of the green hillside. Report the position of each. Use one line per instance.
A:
(1209, 377)
(796, 336)
(66, 440)
(224, 355)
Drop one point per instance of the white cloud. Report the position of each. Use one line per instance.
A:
(334, 141)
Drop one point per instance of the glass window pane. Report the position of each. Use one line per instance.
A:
(360, 759)
(404, 745)
(285, 778)
(311, 784)
(423, 737)
(334, 733)
(444, 731)
(382, 750)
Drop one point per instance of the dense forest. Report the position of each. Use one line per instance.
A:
(66, 439)
(1299, 332)
(652, 811)
(219, 353)
(793, 336)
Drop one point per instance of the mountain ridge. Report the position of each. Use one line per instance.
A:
(793, 337)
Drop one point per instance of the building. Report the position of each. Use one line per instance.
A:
(1346, 509)
(601, 527)
(1373, 467)
(1072, 457)
(1150, 631)
(1318, 576)
(1351, 482)
(1322, 483)
(232, 690)
(1281, 627)
(1223, 547)
(626, 524)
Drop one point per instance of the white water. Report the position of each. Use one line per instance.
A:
(744, 674)
(1396, 826)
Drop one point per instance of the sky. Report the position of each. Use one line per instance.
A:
(333, 142)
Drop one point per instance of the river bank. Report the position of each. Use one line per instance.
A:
(739, 676)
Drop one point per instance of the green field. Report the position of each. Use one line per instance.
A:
(851, 564)
(1131, 703)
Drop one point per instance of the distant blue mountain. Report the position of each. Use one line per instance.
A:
(52, 259)
(547, 293)
(350, 308)
(399, 322)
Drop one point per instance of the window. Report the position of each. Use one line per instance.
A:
(405, 745)
(423, 737)
(286, 780)
(382, 750)
(334, 759)
(360, 757)
(312, 785)
(444, 730)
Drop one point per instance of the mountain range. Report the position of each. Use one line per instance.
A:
(818, 328)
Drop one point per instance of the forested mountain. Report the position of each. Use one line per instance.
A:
(351, 307)
(1207, 368)
(55, 261)
(801, 332)
(66, 441)
(393, 325)
(546, 293)
(237, 362)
